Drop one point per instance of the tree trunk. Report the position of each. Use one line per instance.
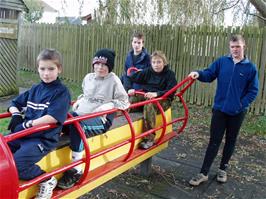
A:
(260, 6)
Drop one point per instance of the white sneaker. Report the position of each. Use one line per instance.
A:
(199, 178)
(46, 188)
(221, 176)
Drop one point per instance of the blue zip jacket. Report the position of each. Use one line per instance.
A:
(45, 99)
(142, 63)
(237, 84)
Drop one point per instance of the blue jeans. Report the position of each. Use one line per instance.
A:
(222, 123)
(91, 127)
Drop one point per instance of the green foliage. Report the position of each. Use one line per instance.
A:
(3, 123)
(35, 11)
(26, 79)
(255, 124)
(3, 126)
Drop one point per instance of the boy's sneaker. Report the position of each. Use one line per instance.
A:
(69, 179)
(146, 144)
(221, 175)
(46, 188)
(199, 178)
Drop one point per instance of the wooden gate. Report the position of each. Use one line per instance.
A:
(8, 59)
(9, 16)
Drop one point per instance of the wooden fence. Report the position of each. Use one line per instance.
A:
(8, 59)
(187, 48)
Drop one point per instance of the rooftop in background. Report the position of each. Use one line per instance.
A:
(71, 10)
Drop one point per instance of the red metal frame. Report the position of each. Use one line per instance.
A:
(182, 87)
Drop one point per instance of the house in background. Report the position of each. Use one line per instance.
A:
(87, 19)
(75, 20)
(49, 13)
(69, 11)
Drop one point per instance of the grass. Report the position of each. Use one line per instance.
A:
(199, 116)
(255, 124)
(27, 79)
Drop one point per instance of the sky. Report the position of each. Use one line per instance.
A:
(71, 7)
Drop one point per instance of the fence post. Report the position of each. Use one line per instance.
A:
(261, 97)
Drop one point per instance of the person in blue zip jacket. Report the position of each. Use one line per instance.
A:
(138, 57)
(237, 88)
(44, 103)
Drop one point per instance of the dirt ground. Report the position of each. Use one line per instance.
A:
(173, 168)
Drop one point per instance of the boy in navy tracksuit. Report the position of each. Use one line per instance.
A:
(155, 82)
(237, 87)
(137, 57)
(45, 103)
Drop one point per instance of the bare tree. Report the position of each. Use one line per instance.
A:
(35, 11)
(260, 6)
(181, 12)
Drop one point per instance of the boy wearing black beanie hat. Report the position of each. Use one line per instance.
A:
(102, 90)
(105, 56)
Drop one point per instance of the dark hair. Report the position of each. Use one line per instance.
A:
(138, 35)
(50, 54)
(160, 54)
(237, 37)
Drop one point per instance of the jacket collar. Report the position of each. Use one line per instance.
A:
(243, 61)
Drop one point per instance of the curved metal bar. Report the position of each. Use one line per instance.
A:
(9, 184)
(156, 101)
(187, 80)
(133, 135)
(164, 125)
(86, 148)
(185, 119)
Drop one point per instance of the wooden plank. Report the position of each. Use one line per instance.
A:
(8, 31)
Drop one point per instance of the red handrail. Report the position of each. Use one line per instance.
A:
(183, 86)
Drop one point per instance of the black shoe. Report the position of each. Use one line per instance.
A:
(69, 179)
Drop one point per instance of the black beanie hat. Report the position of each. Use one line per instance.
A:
(105, 56)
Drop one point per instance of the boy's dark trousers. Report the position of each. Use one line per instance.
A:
(222, 123)
(27, 152)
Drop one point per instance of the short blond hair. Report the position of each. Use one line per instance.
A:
(160, 54)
